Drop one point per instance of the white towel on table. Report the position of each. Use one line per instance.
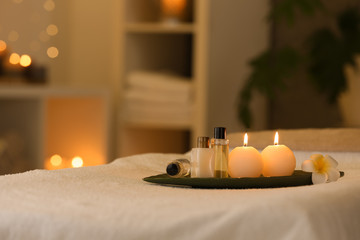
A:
(112, 202)
(158, 97)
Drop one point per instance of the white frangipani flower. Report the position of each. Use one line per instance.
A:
(323, 168)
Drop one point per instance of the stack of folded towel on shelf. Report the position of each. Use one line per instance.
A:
(157, 97)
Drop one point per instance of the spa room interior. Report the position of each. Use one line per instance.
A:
(179, 119)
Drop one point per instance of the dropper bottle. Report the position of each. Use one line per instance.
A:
(221, 152)
(179, 168)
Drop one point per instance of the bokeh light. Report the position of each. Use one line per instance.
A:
(52, 52)
(56, 160)
(77, 162)
(25, 60)
(52, 30)
(49, 5)
(14, 58)
(2, 45)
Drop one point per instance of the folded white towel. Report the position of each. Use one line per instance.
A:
(136, 94)
(170, 113)
(160, 98)
(159, 81)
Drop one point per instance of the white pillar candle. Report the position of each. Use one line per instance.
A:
(278, 160)
(245, 161)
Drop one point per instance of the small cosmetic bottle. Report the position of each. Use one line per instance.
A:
(179, 168)
(202, 159)
(221, 152)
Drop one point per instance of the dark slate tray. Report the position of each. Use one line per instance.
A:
(299, 178)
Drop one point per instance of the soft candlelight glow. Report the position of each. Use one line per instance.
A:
(173, 10)
(52, 30)
(278, 160)
(245, 161)
(52, 52)
(2, 45)
(49, 5)
(77, 162)
(56, 160)
(25, 60)
(14, 58)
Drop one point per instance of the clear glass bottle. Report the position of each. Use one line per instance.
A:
(202, 159)
(179, 168)
(221, 152)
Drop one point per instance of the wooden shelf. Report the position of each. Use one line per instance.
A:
(22, 91)
(144, 123)
(153, 45)
(182, 28)
(68, 122)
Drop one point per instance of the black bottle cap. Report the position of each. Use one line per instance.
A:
(172, 169)
(220, 133)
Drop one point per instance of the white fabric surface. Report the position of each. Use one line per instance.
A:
(112, 202)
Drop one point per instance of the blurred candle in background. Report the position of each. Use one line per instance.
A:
(55, 162)
(172, 10)
(58, 162)
(2, 46)
(77, 162)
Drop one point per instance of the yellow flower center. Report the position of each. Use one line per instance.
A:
(321, 165)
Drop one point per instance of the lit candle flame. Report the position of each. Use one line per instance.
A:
(276, 139)
(77, 162)
(245, 140)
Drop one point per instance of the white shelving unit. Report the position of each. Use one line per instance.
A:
(153, 45)
(68, 122)
(211, 46)
(159, 28)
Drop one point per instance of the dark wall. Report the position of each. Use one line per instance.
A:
(301, 105)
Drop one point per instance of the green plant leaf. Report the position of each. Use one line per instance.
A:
(287, 9)
(269, 73)
(329, 53)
